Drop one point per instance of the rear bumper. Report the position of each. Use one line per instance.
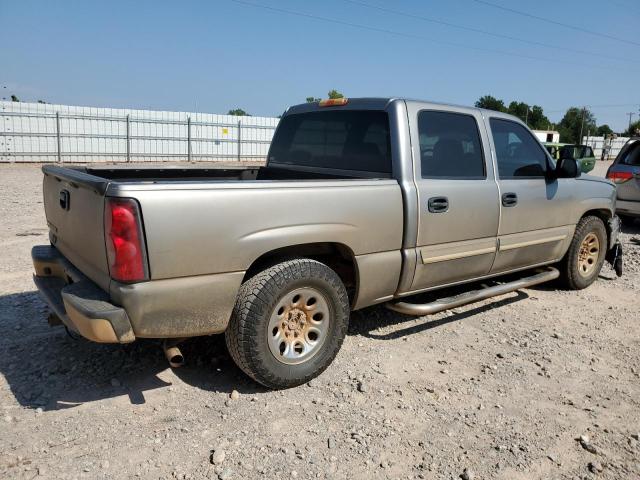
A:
(81, 305)
(626, 207)
(168, 308)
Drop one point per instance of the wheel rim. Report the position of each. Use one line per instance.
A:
(588, 254)
(298, 326)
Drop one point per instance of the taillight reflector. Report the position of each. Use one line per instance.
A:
(124, 240)
(619, 177)
(333, 102)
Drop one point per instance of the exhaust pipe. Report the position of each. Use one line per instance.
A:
(173, 353)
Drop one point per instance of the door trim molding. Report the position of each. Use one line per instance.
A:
(455, 250)
(529, 243)
(454, 256)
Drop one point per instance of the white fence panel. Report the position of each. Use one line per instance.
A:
(34, 132)
(597, 143)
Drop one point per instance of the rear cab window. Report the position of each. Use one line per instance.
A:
(353, 140)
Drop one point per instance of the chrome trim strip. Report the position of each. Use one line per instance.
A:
(532, 242)
(454, 256)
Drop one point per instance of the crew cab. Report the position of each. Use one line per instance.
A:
(361, 202)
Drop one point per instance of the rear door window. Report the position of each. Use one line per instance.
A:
(450, 146)
(355, 140)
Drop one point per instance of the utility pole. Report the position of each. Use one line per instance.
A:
(526, 117)
(631, 114)
(584, 111)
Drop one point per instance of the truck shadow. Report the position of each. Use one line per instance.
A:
(371, 322)
(46, 368)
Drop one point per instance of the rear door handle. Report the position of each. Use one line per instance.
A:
(438, 204)
(509, 199)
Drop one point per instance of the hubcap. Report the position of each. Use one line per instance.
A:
(588, 255)
(298, 326)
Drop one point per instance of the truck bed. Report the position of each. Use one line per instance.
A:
(126, 173)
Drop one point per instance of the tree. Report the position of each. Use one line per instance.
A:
(537, 119)
(14, 98)
(238, 112)
(604, 130)
(313, 99)
(491, 103)
(633, 130)
(532, 116)
(41, 101)
(574, 121)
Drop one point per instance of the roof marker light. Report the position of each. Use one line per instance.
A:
(333, 102)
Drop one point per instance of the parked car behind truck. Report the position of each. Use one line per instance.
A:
(625, 172)
(361, 201)
(583, 154)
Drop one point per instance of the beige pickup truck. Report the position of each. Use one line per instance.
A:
(361, 201)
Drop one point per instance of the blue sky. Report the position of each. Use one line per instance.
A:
(215, 55)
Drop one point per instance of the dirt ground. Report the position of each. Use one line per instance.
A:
(501, 389)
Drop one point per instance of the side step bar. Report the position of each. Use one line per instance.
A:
(448, 303)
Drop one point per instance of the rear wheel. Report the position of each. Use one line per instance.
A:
(288, 323)
(583, 261)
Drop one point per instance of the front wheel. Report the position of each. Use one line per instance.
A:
(583, 261)
(288, 323)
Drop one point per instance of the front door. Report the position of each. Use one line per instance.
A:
(457, 194)
(535, 223)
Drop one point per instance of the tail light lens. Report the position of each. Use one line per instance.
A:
(619, 177)
(126, 251)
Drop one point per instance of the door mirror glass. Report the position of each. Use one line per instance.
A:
(567, 168)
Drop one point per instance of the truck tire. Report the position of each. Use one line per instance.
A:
(583, 261)
(288, 323)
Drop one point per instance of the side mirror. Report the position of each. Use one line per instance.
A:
(567, 168)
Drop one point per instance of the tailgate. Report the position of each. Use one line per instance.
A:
(74, 206)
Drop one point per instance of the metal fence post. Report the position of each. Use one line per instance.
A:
(128, 139)
(189, 139)
(58, 136)
(239, 139)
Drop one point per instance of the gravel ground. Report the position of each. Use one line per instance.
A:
(542, 383)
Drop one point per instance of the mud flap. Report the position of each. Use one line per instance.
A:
(614, 257)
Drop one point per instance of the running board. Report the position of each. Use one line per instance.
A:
(448, 303)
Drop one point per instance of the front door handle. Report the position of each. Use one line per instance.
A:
(509, 199)
(438, 204)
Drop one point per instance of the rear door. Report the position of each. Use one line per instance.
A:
(536, 212)
(457, 196)
(74, 207)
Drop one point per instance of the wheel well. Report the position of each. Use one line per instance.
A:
(336, 256)
(604, 215)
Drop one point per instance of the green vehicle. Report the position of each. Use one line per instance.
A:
(583, 154)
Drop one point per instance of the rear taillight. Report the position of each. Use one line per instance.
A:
(125, 241)
(619, 177)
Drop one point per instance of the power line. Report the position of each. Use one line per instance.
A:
(483, 32)
(555, 22)
(415, 36)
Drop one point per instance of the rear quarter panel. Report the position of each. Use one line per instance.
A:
(198, 230)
